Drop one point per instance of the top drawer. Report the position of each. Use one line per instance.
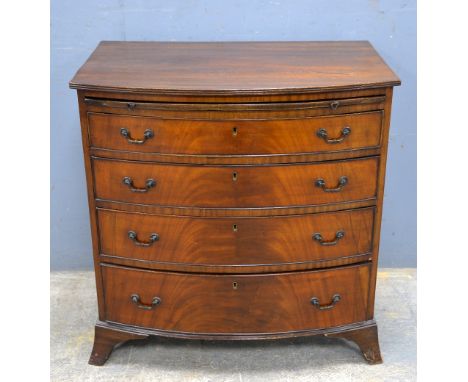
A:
(235, 137)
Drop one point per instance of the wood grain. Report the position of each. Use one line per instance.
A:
(211, 186)
(105, 339)
(264, 303)
(366, 338)
(238, 269)
(322, 106)
(91, 203)
(234, 337)
(236, 242)
(233, 68)
(237, 111)
(127, 94)
(380, 200)
(232, 212)
(233, 159)
(235, 137)
(235, 156)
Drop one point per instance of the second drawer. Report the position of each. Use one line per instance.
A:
(235, 186)
(237, 242)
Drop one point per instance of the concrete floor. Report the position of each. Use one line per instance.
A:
(73, 313)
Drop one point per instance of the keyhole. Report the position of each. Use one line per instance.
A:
(234, 131)
(234, 176)
(234, 285)
(234, 227)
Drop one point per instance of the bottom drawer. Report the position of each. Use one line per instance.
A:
(236, 304)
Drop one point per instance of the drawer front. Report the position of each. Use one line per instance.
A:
(264, 303)
(236, 242)
(261, 137)
(235, 186)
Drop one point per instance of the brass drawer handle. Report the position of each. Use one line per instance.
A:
(150, 183)
(137, 301)
(318, 237)
(343, 181)
(134, 237)
(315, 302)
(322, 133)
(334, 105)
(146, 135)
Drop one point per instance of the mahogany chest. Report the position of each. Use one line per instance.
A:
(235, 189)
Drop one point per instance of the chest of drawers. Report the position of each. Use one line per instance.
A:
(235, 189)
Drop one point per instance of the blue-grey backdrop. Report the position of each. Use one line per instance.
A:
(78, 26)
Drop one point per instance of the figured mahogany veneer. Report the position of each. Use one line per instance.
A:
(236, 244)
(229, 304)
(237, 137)
(235, 186)
(235, 189)
(231, 68)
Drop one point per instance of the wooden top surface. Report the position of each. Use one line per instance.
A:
(233, 67)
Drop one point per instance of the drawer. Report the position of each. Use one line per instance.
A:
(261, 303)
(241, 137)
(236, 242)
(235, 186)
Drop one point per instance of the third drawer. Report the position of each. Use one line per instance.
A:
(224, 244)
